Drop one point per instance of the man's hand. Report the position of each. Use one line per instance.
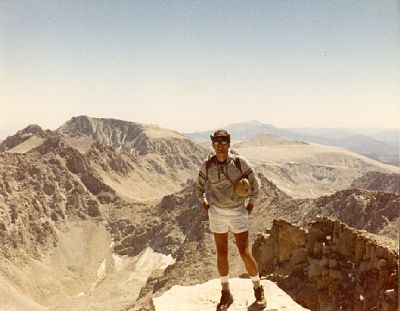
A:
(249, 208)
(206, 207)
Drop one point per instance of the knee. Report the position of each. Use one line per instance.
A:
(244, 252)
(222, 252)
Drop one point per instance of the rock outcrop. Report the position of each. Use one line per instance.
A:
(330, 266)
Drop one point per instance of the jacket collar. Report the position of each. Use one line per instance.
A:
(228, 159)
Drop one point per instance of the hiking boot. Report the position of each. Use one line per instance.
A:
(260, 298)
(226, 300)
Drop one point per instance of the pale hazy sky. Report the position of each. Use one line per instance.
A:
(197, 65)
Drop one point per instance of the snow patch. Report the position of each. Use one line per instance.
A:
(167, 260)
(101, 272)
(120, 263)
(150, 260)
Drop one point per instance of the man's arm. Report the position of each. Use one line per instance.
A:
(249, 208)
(201, 186)
(247, 170)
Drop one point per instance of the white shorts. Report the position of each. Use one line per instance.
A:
(224, 219)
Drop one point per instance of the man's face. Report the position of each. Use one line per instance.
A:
(221, 145)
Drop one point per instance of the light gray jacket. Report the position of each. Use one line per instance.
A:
(220, 179)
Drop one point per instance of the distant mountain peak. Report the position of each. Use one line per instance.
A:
(250, 122)
(22, 136)
(242, 131)
(32, 129)
(127, 136)
(89, 126)
(268, 140)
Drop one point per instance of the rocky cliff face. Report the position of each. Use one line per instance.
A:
(52, 184)
(330, 266)
(378, 181)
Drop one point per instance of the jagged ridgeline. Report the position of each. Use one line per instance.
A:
(92, 214)
(138, 161)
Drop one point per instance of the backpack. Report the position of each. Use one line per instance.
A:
(242, 186)
(213, 159)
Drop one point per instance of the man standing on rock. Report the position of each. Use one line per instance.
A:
(231, 183)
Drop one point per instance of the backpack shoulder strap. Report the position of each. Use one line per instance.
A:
(238, 163)
(210, 160)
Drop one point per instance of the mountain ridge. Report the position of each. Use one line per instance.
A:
(148, 165)
(121, 135)
(385, 150)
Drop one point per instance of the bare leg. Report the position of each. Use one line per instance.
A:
(221, 243)
(242, 243)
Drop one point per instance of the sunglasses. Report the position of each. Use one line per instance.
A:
(220, 142)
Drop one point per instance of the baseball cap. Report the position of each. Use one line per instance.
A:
(221, 134)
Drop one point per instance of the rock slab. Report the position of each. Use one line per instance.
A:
(205, 297)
